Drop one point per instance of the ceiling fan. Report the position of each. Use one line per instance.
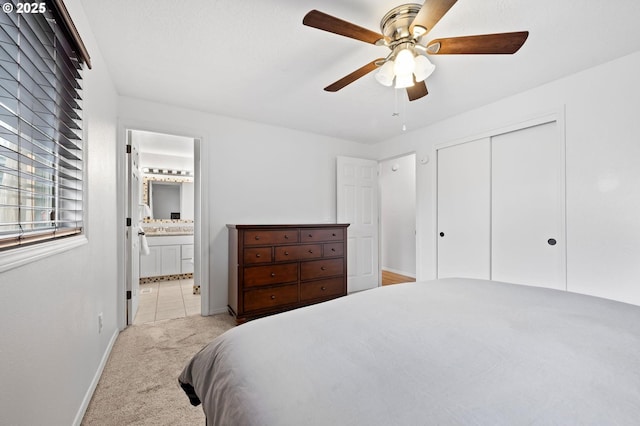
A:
(403, 31)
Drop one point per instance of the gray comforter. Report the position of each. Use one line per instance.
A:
(448, 352)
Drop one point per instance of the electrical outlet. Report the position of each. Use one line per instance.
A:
(100, 322)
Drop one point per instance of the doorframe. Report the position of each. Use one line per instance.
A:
(557, 115)
(201, 210)
(415, 224)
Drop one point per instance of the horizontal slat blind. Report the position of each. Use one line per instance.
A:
(41, 155)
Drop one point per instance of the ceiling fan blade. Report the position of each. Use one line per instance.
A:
(430, 13)
(322, 21)
(502, 43)
(348, 79)
(417, 91)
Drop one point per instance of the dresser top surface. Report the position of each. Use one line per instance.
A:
(280, 226)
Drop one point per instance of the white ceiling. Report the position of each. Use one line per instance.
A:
(163, 144)
(253, 59)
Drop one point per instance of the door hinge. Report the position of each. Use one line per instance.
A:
(128, 294)
(128, 149)
(128, 221)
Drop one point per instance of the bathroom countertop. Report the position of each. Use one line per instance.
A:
(166, 233)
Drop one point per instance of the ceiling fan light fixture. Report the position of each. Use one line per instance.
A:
(404, 81)
(423, 68)
(405, 63)
(385, 75)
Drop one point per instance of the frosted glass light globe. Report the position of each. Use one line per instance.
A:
(405, 63)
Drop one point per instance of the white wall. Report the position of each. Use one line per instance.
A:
(257, 174)
(603, 177)
(162, 161)
(187, 201)
(50, 349)
(398, 215)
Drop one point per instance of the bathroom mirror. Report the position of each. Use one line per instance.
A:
(165, 199)
(169, 199)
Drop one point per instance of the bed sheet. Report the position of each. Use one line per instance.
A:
(451, 351)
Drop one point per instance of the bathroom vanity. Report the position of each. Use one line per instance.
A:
(170, 255)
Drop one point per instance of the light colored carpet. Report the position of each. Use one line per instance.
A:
(139, 385)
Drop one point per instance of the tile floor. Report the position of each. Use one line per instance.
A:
(167, 300)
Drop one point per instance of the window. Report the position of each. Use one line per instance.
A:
(41, 146)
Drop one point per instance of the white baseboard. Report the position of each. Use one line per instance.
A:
(96, 378)
(396, 271)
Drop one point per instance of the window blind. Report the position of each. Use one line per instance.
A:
(41, 147)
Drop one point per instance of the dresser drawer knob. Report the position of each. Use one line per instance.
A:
(257, 254)
(273, 274)
(273, 297)
(333, 249)
(286, 253)
(286, 237)
(311, 251)
(323, 268)
(333, 234)
(323, 288)
(310, 235)
(257, 237)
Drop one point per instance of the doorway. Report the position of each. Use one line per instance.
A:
(162, 210)
(397, 177)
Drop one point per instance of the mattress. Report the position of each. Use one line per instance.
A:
(451, 351)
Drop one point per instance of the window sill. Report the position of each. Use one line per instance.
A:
(21, 256)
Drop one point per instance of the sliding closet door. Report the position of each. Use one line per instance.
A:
(464, 198)
(527, 219)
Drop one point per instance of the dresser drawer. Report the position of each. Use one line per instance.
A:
(333, 249)
(321, 234)
(270, 274)
(305, 251)
(263, 298)
(321, 268)
(257, 255)
(322, 289)
(274, 236)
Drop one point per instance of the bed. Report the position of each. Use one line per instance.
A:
(451, 352)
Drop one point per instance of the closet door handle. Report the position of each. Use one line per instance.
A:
(442, 234)
(551, 241)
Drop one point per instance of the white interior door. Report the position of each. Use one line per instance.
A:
(133, 239)
(464, 197)
(357, 204)
(527, 224)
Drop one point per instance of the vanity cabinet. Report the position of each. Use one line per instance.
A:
(169, 255)
(186, 258)
(273, 268)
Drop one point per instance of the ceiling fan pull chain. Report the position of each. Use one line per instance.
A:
(395, 104)
(404, 114)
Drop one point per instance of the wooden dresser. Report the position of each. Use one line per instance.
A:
(274, 268)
